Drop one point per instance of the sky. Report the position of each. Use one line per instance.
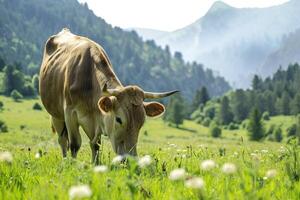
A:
(165, 15)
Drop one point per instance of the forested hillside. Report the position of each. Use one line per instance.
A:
(276, 95)
(26, 25)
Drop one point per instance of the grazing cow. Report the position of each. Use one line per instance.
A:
(78, 87)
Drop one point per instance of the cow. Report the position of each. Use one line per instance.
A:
(78, 87)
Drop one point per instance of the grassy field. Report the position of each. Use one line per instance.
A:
(50, 177)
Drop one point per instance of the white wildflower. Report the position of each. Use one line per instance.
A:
(6, 157)
(172, 145)
(282, 149)
(117, 160)
(255, 156)
(208, 165)
(195, 183)
(183, 156)
(80, 191)
(37, 155)
(264, 151)
(144, 161)
(100, 169)
(177, 174)
(271, 173)
(229, 168)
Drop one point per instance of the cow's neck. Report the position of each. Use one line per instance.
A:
(112, 83)
(107, 77)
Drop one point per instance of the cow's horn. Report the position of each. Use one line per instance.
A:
(157, 95)
(110, 92)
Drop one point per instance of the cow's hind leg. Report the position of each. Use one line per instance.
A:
(73, 130)
(61, 129)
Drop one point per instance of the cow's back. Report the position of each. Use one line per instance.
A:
(67, 73)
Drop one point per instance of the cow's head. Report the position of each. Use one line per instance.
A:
(124, 112)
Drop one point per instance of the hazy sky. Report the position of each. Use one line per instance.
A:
(167, 15)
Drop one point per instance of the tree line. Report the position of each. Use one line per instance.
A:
(276, 95)
(14, 83)
(272, 96)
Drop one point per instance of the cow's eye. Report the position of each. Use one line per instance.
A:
(118, 119)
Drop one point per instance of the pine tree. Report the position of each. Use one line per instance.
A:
(270, 99)
(175, 110)
(225, 115)
(196, 101)
(8, 79)
(215, 130)
(285, 104)
(204, 96)
(295, 106)
(13, 79)
(255, 127)
(2, 63)
(256, 82)
(278, 134)
(178, 113)
(200, 98)
(240, 105)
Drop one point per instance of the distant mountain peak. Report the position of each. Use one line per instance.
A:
(219, 6)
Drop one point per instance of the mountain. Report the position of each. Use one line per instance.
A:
(234, 41)
(26, 25)
(287, 53)
(149, 34)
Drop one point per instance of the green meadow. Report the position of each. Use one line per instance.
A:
(48, 176)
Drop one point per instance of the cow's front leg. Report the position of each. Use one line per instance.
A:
(73, 130)
(95, 146)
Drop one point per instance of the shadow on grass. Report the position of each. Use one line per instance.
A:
(186, 129)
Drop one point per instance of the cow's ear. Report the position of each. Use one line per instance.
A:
(154, 109)
(105, 104)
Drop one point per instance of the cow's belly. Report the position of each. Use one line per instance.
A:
(51, 90)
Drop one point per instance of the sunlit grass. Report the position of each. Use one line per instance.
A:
(50, 176)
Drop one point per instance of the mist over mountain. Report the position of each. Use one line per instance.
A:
(26, 25)
(149, 34)
(287, 53)
(234, 41)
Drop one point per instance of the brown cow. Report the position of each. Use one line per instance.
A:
(78, 87)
